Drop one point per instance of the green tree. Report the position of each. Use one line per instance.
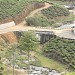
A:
(28, 42)
(2, 49)
(11, 54)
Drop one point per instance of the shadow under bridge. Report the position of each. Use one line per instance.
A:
(44, 36)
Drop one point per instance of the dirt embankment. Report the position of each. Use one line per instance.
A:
(9, 37)
(21, 16)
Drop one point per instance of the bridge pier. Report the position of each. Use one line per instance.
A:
(44, 36)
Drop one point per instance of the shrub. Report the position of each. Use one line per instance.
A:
(55, 11)
(62, 50)
(39, 21)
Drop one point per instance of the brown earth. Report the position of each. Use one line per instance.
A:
(21, 16)
(9, 37)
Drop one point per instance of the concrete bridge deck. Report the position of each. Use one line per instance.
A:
(65, 33)
(61, 32)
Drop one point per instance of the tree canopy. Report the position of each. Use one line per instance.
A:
(28, 41)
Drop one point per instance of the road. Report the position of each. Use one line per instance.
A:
(65, 33)
(37, 10)
(61, 32)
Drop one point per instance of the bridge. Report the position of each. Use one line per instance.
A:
(44, 33)
(63, 31)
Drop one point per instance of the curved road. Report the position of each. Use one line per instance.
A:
(65, 33)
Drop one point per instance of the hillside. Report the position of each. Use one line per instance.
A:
(62, 50)
(9, 37)
(10, 8)
(17, 10)
(21, 50)
(53, 16)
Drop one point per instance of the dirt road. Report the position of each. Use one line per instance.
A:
(22, 26)
(37, 10)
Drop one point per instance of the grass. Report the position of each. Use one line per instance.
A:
(41, 20)
(22, 58)
(71, 17)
(50, 63)
(73, 73)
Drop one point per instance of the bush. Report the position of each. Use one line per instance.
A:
(62, 50)
(55, 11)
(11, 8)
(39, 21)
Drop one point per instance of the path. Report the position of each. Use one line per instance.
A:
(22, 27)
(66, 33)
(37, 10)
(33, 13)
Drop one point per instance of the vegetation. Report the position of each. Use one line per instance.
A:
(55, 50)
(53, 16)
(39, 21)
(55, 11)
(28, 42)
(2, 49)
(10, 8)
(60, 2)
(1, 67)
(12, 53)
(62, 50)
(30, 45)
(50, 63)
(73, 73)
